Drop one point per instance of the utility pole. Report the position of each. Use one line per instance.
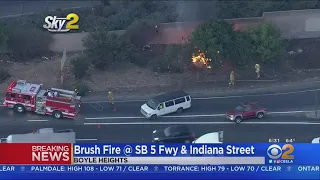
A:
(316, 103)
(63, 60)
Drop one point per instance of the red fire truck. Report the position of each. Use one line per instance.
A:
(23, 96)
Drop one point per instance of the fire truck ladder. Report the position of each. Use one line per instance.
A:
(65, 93)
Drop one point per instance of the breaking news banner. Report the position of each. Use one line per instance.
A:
(247, 160)
(157, 171)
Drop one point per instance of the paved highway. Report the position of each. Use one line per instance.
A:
(99, 122)
(284, 102)
(201, 107)
(243, 133)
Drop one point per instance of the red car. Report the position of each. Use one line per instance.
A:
(246, 111)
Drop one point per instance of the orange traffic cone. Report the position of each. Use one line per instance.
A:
(114, 109)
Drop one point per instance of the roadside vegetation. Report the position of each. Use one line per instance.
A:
(214, 43)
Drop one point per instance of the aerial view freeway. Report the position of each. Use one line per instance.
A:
(99, 120)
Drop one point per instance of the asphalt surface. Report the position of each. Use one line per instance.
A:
(285, 102)
(99, 122)
(205, 108)
(211, 107)
(27, 7)
(243, 133)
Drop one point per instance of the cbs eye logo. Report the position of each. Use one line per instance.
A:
(275, 151)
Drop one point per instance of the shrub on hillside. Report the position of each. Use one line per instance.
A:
(140, 32)
(80, 67)
(4, 75)
(105, 48)
(28, 42)
(175, 59)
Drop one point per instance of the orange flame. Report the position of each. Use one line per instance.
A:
(201, 59)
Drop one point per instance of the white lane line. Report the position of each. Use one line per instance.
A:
(141, 117)
(218, 97)
(37, 120)
(288, 112)
(202, 123)
(114, 118)
(190, 116)
(86, 139)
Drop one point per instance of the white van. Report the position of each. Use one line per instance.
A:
(210, 138)
(316, 140)
(175, 101)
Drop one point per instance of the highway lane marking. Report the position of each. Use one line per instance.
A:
(37, 120)
(142, 117)
(86, 139)
(218, 97)
(288, 112)
(189, 116)
(202, 123)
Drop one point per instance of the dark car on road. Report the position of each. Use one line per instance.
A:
(246, 111)
(173, 134)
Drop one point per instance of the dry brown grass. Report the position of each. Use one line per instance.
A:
(124, 76)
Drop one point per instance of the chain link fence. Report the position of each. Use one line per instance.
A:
(19, 8)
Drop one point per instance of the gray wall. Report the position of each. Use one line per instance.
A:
(296, 24)
(293, 24)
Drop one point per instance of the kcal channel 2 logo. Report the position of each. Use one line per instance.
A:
(55, 24)
(282, 154)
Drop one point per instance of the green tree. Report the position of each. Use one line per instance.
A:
(80, 67)
(244, 51)
(105, 48)
(267, 42)
(215, 36)
(221, 42)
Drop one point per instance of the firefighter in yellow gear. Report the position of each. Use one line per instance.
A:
(257, 67)
(231, 83)
(110, 96)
